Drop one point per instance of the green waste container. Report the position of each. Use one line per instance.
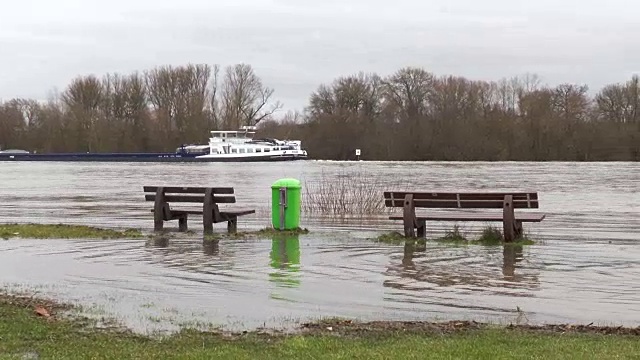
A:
(285, 192)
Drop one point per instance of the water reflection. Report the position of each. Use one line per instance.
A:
(211, 247)
(285, 260)
(420, 268)
(158, 241)
(110, 194)
(511, 255)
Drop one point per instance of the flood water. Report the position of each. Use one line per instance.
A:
(584, 268)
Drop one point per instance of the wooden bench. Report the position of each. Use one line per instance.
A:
(508, 201)
(209, 197)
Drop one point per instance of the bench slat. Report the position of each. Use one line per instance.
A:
(524, 217)
(232, 212)
(192, 199)
(189, 190)
(237, 212)
(463, 195)
(462, 204)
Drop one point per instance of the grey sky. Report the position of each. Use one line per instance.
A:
(295, 45)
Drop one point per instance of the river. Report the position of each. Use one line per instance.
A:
(584, 266)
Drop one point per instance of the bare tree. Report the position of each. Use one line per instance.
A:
(409, 115)
(245, 101)
(179, 98)
(83, 98)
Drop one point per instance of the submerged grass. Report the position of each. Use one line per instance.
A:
(453, 236)
(25, 335)
(246, 235)
(61, 231)
(393, 238)
(490, 236)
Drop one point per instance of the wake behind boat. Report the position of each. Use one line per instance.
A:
(224, 146)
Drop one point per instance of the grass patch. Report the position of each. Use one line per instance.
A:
(60, 231)
(272, 231)
(393, 237)
(453, 236)
(246, 235)
(25, 334)
(492, 236)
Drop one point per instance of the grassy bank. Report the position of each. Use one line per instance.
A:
(60, 231)
(23, 333)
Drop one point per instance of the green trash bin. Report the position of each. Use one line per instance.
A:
(285, 204)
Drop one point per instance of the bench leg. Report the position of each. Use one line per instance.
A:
(159, 210)
(509, 231)
(508, 219)
(207, 212)
(158, 224)
(182, 223)
(232, 226)
(207, 221)
(422, 229)
(409, 216)
(518, 230)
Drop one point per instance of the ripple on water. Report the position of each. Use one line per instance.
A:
(584, 270)
(244, 284)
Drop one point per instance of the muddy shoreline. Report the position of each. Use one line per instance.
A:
(55, 311)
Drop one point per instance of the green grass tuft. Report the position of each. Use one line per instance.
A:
(393, 238)
(490, 236)
(453, 236)
(60, 231)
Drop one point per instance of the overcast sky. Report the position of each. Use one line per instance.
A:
(295, 45)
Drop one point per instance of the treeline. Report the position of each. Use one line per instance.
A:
(414, 115)
(152, 111)
(409, 115)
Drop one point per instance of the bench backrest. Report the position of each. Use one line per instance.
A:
(221, 195)
(462, 200)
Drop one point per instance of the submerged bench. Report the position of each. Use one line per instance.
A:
(209, 197)
(508, 201)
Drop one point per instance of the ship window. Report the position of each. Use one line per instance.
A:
(276, 149)
(234, 151)
(250, 150)
(267, 150)
(242, 151)
(259, 150)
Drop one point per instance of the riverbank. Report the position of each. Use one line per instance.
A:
(44, 329)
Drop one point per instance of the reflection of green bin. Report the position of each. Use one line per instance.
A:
(285, 204)
(285, 260)
(285, 252)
